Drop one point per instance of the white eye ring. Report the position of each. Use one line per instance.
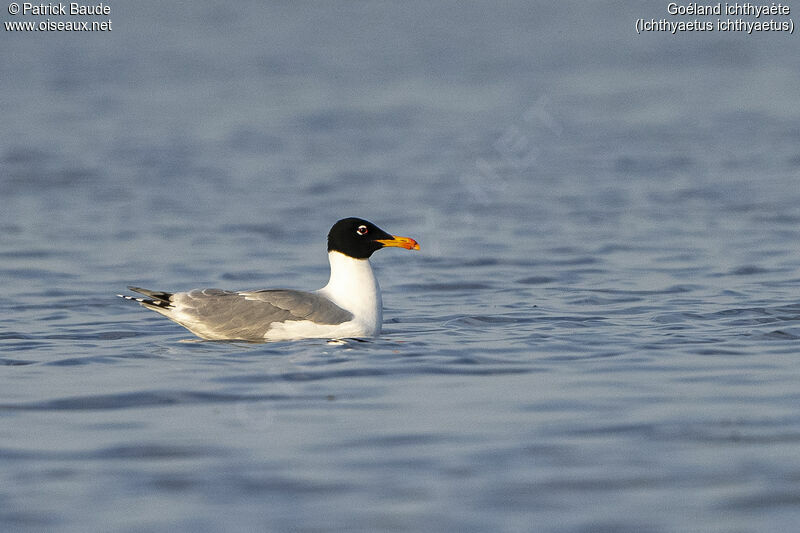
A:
(362, 230)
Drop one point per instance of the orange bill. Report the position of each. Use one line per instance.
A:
(400, 242)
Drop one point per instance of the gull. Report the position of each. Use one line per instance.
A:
(349, 306)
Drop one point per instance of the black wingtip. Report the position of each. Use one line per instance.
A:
(154, 298)
(156, 295)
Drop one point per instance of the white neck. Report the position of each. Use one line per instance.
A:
(353, 287)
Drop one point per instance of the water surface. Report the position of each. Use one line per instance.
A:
(600, 333)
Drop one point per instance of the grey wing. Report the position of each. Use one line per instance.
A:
(302, 305)
(218, 314)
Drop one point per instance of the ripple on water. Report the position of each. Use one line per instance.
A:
(5, 361)
(144, 399)
(444, 287)
(138, 450)
(487, 320)
(536, 280)
(779, 335)
(455, 366)
(748, 270)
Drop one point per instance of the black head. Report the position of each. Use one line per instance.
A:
(359, 238)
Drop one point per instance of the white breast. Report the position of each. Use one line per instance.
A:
(353, 287)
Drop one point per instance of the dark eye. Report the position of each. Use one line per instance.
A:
(362, 230)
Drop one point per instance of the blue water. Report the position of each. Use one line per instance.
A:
(600, 333)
